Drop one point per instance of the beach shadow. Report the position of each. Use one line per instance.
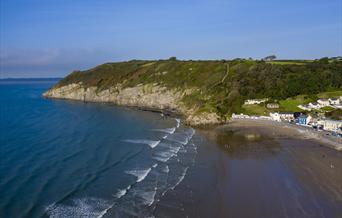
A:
(243, 144)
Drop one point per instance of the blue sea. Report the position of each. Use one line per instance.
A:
(72, 159)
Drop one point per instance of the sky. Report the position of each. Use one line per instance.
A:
(51, 38)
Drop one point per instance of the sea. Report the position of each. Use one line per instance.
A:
(62, 158)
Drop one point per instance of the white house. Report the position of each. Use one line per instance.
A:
(275, 116)
(304, 107)
(314, 105)
(255, 101)
(332, 125)
(334, 101)
(324, 102)
(239, 116)
(286, 116)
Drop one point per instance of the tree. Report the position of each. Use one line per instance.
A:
(270, 58)
(172, 59)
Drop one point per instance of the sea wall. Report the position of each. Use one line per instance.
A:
(150, 96)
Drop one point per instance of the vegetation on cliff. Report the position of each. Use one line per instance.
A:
(219, 86)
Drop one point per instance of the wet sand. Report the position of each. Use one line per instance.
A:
(249, 169)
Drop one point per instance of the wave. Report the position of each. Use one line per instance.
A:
(178, 122)
(150, 143)
(180, 138)
(166, 169)
(167, 130)
(140, 174)
(122, 192)
(148, 196)
(164, 156)
(180, 179)
(84, 207)
(183, 142)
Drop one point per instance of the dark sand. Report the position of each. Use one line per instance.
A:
(249, 169)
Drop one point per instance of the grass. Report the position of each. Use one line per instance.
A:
(289, 62)
(255, 109)
(330, 94)
(327, 109)
(291, 104)
(220, 86)
(335, 114)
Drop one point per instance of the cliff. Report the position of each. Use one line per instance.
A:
(205, 92)
(149, 96)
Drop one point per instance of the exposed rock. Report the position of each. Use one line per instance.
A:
(147, 96)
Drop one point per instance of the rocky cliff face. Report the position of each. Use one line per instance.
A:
(150, 96)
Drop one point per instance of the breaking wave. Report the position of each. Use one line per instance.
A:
(122, 192)
(167, 130)
(140, 174)
(150, 143)
(84, 207)
(178, 122)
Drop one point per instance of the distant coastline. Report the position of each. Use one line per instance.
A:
(32, 79)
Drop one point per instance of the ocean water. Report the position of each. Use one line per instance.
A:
(72, 159)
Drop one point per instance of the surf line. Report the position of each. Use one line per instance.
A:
(150, 143)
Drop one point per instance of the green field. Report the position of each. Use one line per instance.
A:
(255, 109)
(330, 94)
(291, 104)
(289, 62)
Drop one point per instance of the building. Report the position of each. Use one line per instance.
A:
(334, 101)
(324, 102)
(315, 106)
(332, 125)
(287, 116)
(283, 116)
(239, 116)
(303, 119)
(304, 107)
(255, 101)
(272, 106)
(275, 116)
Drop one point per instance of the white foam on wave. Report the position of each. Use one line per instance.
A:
(140, 174)
(180, 179)
(183, 142)
(148, 196)
(155, 165)
(164, 137)
(166, 169)
(84, 207)
(167, 130)
(166, 155)
(122, 192)
(163, 156)
(150, 143)
(192, 132)
(189, 133)
(178, 122)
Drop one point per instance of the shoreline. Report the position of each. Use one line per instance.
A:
(291, 130)
(300, 132)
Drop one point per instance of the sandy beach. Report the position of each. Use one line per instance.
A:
(284, 129)
(250, 169)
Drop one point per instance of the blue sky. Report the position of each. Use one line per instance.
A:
(47, 38)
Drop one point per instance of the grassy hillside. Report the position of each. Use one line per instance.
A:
(221, 86)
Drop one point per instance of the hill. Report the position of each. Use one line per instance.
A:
(198, 88)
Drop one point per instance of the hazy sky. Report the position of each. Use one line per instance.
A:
(48, 38)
